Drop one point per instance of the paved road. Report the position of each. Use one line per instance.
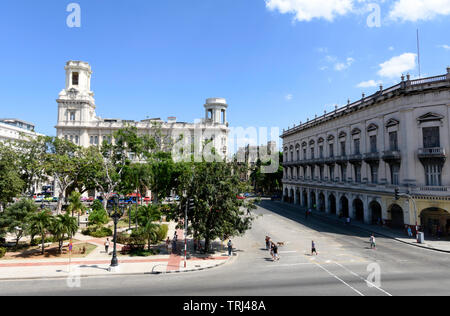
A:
(339, 269)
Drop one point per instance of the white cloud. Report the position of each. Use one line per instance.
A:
(343, 66)
(398, 65)
(446, 47)
(415, 10)
(307, 10)
(391, 48)
(289, 97)
(369, 84)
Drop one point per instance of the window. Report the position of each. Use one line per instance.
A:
(343, 173)
(77, 139)
(373, 144)
(374, 174)
(298, 155)
(292, 156)
(395, 174)
(91, 140)
(431, 137)
(304, 154)
(321, 152)
(433, 174)
(312, 153)
(313, 169)
(393, 141)
(305, 172)
(321, 172)
(331, 173)
(75, 77)
(356, 144)
(331, 150)
(357, 173)
(72, 116)
(343, 149)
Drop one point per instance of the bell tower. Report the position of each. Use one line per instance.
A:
(76, 101)
(216, 111)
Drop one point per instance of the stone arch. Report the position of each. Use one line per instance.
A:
(305, 198)
(332, 203)
(321, 204)
(358, 207)
(397, 216)
(313, 201)
(433, 218)
(344, 207)
(376, 212)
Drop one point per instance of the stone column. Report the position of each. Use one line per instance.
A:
(327, 203)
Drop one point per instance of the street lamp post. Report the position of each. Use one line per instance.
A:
(115, 212)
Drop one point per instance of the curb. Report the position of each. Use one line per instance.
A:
(120, 274)
(381, 234)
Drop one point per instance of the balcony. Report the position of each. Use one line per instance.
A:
(392, 156)
(341, 159)
(355, 159)
(372, 157)
(436, 153)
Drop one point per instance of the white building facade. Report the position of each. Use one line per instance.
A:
(78, 122)
(350, 161)
(14, 129)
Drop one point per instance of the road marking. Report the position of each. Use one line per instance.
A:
(368, 282)
(336, 277)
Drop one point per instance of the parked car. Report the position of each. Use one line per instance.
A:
(240, 197)
(55, 199)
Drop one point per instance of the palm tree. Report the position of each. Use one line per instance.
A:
(40, 224)
(147, 216)
(75, 204)
(63, 225)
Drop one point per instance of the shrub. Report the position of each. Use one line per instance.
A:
(38, 241)
(2, 252)
(123, 238)
(162, 232)
(137, 240)
(98, 232)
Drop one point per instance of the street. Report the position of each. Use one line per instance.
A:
(340, 268)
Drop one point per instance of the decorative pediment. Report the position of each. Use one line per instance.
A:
(291, 148)
(356, 131)
(430, 117)
(304, 144)
(372, 127)
(342, 134)
(392, 122)
(297, 146)
(312, 142)
(330, 137)
(321, 140)
(286, 148)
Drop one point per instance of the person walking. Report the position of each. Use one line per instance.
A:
(106, 245)
(267, 242)
(313, 248)
(167, 244)
(230, 247)
(276, 257)
(373, 243)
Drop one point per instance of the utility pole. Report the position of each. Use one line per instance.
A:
(185, 231)
(409, 197)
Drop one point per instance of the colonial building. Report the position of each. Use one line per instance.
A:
(14, 129)
(350, 161)
(79, 123)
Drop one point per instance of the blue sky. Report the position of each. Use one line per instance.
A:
(277, 62)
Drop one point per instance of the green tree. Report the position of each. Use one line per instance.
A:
(75, 204)
(217, 213)
(41, 224)
(98, 217)
(62, 226)
(16, 216)
(11, 184)
(62, 163)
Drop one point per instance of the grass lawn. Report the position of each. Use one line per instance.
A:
(51, 252)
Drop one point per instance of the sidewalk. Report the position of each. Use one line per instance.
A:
(437, 245)
(97, 262)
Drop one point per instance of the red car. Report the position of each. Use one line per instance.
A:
(240, 197)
